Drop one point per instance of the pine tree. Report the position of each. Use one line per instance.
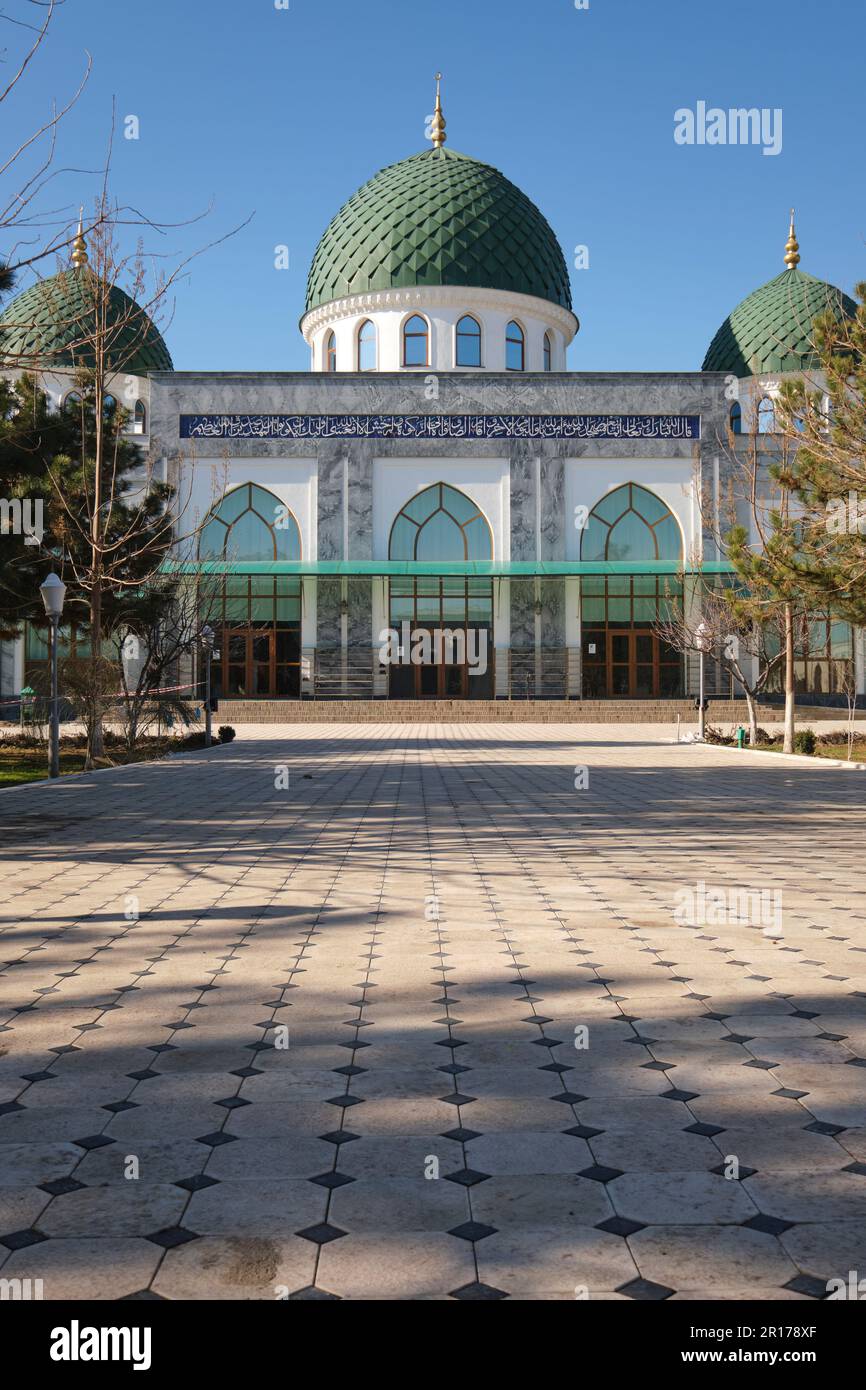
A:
(48, 456)
(828, 466)
(762, 538)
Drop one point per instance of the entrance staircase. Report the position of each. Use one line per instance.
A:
(365, 711)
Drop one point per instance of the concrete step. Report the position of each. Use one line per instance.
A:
(365, 711)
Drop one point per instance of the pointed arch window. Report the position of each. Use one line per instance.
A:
(440, 524)
(250, 525)
(331, 352)
(72, 401)
(367, 346)
(416, 342)
(736, 418)
(515, 347)
(766, 416)
(631, 524)
(548, 353)
(468, 342)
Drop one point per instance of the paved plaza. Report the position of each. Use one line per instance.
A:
(427, 1022)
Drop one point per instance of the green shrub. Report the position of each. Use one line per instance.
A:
(196, 740)
(225, 733)
(806, 741)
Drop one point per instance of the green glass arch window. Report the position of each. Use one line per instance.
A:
(250, 525)
(631, 523)
(440, 524)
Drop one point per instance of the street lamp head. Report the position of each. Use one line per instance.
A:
(53, 592)
(208, 636)
(703, 636)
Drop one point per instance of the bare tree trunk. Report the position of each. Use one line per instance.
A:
(789, 679)
(96, 744)
(753, 717)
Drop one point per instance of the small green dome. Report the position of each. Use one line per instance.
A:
(439, 218)
(46, 324)
(771, 330)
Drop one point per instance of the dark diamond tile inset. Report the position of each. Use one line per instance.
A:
(477, 1293)
(467, 1177)
(332, 1180)
(172, 1237)
(472, 1230)
(721, 1170)
(20, 1240)
(93, 1141)
(462, 1135)
(322, 1234)
(645, 1291)
(768, 1225)
(583, 1131)
(808, 1285)
(197, 1183)
(61, 1187)
(597, 1172)
(620, 1226)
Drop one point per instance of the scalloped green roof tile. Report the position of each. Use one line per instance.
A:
(770, 331)
(45, 324)
(439, 218)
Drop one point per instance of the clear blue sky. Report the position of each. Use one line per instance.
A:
(284, 113)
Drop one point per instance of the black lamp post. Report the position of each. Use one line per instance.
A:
(53, 592)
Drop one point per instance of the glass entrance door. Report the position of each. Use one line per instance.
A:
(632, 664)
(450, 621)
(451, 677)
(623, 657)
(258, 638)
(250, 662)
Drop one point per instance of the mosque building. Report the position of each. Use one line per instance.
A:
(439, 474)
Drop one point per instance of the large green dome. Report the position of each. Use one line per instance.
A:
(771, 330)
(47, 325)
(439, 218)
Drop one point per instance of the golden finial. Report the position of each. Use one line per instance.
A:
(79, 245)
(792, 247)
(437, 129)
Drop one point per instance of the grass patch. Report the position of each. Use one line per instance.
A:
(831, 745)
(30, 763)
(837, 750)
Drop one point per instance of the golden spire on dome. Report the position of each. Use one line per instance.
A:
(792, 246)
(79, 245)
(437, 128)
